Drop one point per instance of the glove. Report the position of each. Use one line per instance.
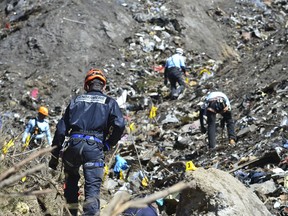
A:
(121, 164)
(53, 163)
(203, 130)
(165, 82)
(106, 146)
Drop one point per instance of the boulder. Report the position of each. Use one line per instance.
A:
(215, 192)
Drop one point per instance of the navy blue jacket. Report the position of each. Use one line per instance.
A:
(93, 113)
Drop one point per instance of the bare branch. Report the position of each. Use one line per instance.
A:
(28, 193)
(75, 21)
(21, 175)
(119, 205)
(16, 167)
(118, 199)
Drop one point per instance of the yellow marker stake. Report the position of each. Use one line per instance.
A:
(23, 179)
(190, 166)
(144, 181)
(152, 113)
(7, 146)
(204, 71)
(121, 176)
(106, 172)
(132, 126)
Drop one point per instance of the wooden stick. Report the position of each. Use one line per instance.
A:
(118, 199)
(16, 167)
(75, 21)
(27, 193)
(119, 204)
(26, 152)
(112, 157)
(21, 175)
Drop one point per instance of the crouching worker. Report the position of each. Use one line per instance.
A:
(174, 70)
(94, 123)
(36, 129)
(217, 102)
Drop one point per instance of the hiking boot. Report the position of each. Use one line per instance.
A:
(232, 142)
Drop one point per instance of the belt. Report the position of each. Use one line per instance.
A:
(87, 137)
(174, 67)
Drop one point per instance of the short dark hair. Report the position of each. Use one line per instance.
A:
(95, 84)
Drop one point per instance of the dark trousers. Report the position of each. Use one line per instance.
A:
(211, 121)
(83, 152)
(35, 143)
(175, 76)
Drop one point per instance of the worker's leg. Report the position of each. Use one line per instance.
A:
(180, 81)
(230, 125)
(71, 189)
(93, 158)
(211, 121)
(72, 162)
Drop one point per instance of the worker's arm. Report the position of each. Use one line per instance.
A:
(61, 130)
(117, 122)
(27, 130)
(48, 135)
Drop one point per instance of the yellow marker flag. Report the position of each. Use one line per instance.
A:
(121, 175)
(152, 113)
(6, 146)
(144, 181)
(132, 126)
(204, 71)
(190, 166)
(187, 80)
(106, 172)
(23, 179)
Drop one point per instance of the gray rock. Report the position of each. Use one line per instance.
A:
(264, 188)
(214, 192)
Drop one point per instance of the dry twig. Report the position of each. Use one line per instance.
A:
(16, 167)
(120, 203)
(27, 193)
(21, 175)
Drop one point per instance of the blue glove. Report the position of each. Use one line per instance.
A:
(121, 164)
(106, 146)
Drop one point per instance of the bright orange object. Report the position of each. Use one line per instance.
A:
(94, 74)
(43, 110)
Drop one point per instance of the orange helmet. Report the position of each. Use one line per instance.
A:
(94, 74)
(43, 110)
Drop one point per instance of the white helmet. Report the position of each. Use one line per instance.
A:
(179, 51)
